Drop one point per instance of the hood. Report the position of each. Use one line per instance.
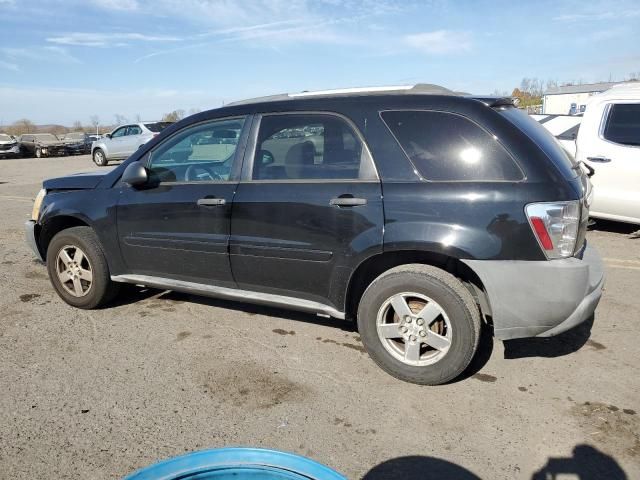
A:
(7, 142)
(78, 181)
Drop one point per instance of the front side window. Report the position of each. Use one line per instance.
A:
(623, 124)
(309, 147)
(121, 132)
(448, 147)
(201, 153)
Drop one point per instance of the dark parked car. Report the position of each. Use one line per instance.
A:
(78, 143)
(42, 145)
(422, 214)
(9, 147)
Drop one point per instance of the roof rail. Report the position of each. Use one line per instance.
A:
(420, 88)
(498, 101)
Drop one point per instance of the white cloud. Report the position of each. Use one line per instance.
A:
(440, 42)
(611, 13)
(9, 65)
(38, 54)
(126, 5)
(107, 39)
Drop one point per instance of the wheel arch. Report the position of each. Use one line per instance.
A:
(52, 226)
(375, 265)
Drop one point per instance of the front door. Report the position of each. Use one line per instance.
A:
(117, 141)
(616, 160)
(177, 227)
(308, 207)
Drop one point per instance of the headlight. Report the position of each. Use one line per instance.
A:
(35, 213)
(555, 225)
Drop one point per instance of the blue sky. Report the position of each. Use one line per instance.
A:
(62, 61)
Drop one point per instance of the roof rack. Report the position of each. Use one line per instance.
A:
(420, 89)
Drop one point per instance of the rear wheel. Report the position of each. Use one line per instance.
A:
(419, 324)
(78, 269)
(100, 158)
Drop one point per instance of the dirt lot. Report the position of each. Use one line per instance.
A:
(97, 394)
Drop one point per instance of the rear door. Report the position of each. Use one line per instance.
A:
(309, 205)
(615, 156)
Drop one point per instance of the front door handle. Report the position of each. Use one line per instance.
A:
(344, 201)
(599, 159)
(211, 202)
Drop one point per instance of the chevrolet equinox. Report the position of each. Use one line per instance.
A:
(422, 214)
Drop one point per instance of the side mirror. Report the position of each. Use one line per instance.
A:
(108, 135)
(135, 174)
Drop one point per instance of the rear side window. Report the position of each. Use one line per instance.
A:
(623, 124)
(448, 147)
(309, 147)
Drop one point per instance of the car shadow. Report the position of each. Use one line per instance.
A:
(482, 355)
(418, 467)
(630, 229)
(132, 294)
(563, 344)
(586, 463)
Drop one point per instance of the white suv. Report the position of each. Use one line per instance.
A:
(124, 140)
(609, 142)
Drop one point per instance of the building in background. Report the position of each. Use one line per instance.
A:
(571, 99)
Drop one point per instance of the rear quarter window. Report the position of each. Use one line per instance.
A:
(543, 139)
(445, 146)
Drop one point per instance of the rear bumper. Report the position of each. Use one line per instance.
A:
(541, 299)
(30, 236)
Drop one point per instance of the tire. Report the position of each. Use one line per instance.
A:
(89, 294)
(38, 153)
(400, 348)
(99, 158)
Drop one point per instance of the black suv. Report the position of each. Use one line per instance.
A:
(423, 214)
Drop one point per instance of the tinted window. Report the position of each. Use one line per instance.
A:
(308, 146)
(448, 147)
(623, 124)
(201, 153)
(543, 139)
(134, 130)
(157, 127)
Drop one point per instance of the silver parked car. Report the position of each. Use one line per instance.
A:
(124, 140)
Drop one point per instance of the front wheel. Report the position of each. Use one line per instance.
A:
(38, 153)
(100, 158)
(78, 269)
(419, 324)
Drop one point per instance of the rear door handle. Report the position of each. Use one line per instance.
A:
(599, 159)
(347, 202)
(211, 202)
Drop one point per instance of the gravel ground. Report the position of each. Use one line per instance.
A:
(97, 394)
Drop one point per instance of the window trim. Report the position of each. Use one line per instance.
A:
(124, 127)
(247, 170)
(605, 120)
(434, 110)
(239, 154)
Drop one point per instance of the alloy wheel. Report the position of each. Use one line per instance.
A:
(74, 270)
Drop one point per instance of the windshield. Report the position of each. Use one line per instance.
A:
(75, 136)
(157, 127)
(46, 136)
(5, 138)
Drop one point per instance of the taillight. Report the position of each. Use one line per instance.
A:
(555, 225)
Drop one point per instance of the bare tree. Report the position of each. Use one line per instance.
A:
(138, 118)
(95, 122)
(120, 119)
(77, 125)
(193, 111)
(23, 125)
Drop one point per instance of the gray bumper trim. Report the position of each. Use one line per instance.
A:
(545, 298)
(30, 235)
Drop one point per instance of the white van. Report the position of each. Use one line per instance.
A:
(609, 142)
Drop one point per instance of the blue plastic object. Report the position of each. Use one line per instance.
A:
(237, 464)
